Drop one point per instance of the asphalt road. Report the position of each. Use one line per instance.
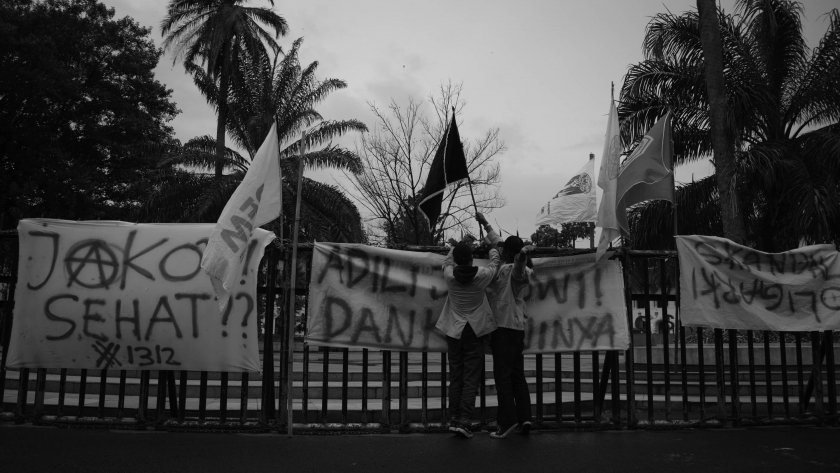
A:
(791, 449)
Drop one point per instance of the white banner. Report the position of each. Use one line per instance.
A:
(362, 296)
(729, 286)
(117, 295)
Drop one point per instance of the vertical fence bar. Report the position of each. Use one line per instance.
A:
(616, 391)
(576, 362)
(62, 391)
(345, 375)
(735, 395)
(160, 409)
(386, 387)
(664, 329)
(365, 417)
(121, 395)
(558, 387)
(596, 408)
(648, 340)
(103, 384)
(539, 374)
(783, 355)
(173, 395)
(243, 398)
(304, 401)
(182, 397)
(701, 370)
(404, 388)
(40, 387)
(830, 377)
(223, 393)
(202, 397)
(325, 383)
(816, 374)
(82, 389)
(23, 392)
(443, 414)
(424, 388)
(683, 370)
(142, 408)
(629, 361)
(799, 374)
(720, 373)
(751, 363)
(267, 387)
(768, 374)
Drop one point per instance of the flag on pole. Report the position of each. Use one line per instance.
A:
(648, 174)
(257, 201)
(448, 167)
(607, 180)
(575, 202)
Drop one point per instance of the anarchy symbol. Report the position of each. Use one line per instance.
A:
(97, 254)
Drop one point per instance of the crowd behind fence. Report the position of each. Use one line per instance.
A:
(672, 376)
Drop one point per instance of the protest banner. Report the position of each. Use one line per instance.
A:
(729, 286)
(117, 295)
(361, 296)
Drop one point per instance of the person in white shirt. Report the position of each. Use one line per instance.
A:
(508, 340)
(467, 320)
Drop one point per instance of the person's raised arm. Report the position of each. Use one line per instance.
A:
(492, 237)
(519, 263)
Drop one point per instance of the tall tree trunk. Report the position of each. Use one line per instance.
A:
(223, 96)
(722, 142)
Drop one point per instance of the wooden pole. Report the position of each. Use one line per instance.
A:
(293, 269)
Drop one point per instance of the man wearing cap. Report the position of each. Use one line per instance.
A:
(467, 320)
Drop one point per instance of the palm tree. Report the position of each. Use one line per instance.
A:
(214, 31)
(783, 112)
(264, 91)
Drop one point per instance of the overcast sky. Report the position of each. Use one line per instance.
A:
(540, 71)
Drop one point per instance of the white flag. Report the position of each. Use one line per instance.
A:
(607, 180)
(575, 202)
(257, 201)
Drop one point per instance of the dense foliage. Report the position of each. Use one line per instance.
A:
(783, 113)
(77, 96)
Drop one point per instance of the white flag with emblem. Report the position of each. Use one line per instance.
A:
(257, 201)
(575, 202)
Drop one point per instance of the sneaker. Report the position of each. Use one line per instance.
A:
(524, 428)
(453, 425)
(503, 432)
(463, 430)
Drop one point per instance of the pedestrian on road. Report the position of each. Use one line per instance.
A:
(508, 340)
(467, 320)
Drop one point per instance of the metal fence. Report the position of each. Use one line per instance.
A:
(671, 377)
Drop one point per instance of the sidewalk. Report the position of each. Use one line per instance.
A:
(26, 448)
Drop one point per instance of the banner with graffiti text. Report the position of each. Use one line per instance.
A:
(124, 296)
(361, 296)
(729, 286)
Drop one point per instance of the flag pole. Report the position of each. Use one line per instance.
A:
(293, 269)
(469, 182)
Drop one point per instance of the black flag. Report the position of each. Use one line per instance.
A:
(448, 167)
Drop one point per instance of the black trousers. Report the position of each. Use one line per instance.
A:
(509, 372)
(466, 361)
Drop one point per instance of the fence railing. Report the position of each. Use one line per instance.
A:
(671, 376)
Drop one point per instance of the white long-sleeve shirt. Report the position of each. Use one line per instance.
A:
(467, 302)
(507, 289)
